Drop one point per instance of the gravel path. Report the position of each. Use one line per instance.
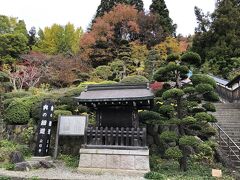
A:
(62, 172)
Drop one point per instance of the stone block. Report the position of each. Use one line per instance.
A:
(127, 162)
(113, 161)
(85, 160)
(99, 161)
(142, 163)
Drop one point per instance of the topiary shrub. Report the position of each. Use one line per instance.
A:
(173, 153)
(58, 113)
(209, 107)
(188, 120)
(149, 115)
(204, 88)
(189, 141)
(203, 116)
(201, 78)
(168, 136)
(135, 79)
(208, 131)
(17, 112)
(173, 57)
(166, 110)
(191, 57)
(103, 72)
(211, 96)
(173, 93)
(205, 149)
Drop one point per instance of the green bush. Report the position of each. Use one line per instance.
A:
(209, 107)
(189, 90)
(135, 79)
(173, 93)
(17, 112)
(173, 153)
(203, 117)
(168, 136)
(204, 88)
(211, 96)
(166, 110)
(201, 78)
(205, 149)
(58, 113)
(16, 94)
(188, 120)
(103, 72)
(149, 115)
(189, 141)
(209, 131)
(155, 175)
(70, 160)
(191, 58)
(173, 57)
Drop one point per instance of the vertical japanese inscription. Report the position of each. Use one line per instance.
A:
(44, 129)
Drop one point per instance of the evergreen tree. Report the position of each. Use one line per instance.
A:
(32, 37)
(159, 7)
(107, 5)
(151, 63)
(182, 106)
(219, 43)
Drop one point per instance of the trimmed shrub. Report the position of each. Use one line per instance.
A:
(209, 131)
(209, 107)
(189, 141)
(168, 136)
(211, 96)
(188, 120)
(103, 72)
(135, 79)
(204, 88)
(191, 58)
(149, 115)
(173, 153)
(18, 112)
(205, 149)
(201, 78)
(189, 90)
(166, 110)
(203, 116)
(173, 93)
(16, 94)
(58, 113)
(173, 57)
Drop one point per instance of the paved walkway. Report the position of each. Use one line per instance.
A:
(62, 172)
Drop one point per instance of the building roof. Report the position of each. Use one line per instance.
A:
(235, 80)
(116, 92)
(219, 80)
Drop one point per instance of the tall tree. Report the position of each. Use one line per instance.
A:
(219, 44)
(107, 5)
(159, 7)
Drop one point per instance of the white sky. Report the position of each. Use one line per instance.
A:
(41, 13)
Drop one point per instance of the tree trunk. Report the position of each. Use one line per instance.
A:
(183, 160)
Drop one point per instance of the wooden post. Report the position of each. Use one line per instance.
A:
(57, 139)
(122, 138)
(127, 136)
(117, 131)
(106, 136)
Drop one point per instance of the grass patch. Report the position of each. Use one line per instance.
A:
(70, 160)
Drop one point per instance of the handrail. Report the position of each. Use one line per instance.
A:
(229, 140)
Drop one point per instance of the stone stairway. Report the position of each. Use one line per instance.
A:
(228, 116)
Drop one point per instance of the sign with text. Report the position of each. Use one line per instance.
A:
(44, 129)
(72, 125)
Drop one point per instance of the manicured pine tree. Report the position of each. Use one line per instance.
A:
(159, 7)
(185, 107)
(151, 63)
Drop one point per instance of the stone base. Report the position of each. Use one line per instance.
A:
(39, 158)
(112, 159)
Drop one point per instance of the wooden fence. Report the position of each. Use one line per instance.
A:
(115, 137)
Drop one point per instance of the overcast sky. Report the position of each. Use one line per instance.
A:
(41, 13)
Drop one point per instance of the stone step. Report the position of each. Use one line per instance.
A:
(227, 105)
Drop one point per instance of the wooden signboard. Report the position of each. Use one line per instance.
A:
(70, 126)
(44, 129)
